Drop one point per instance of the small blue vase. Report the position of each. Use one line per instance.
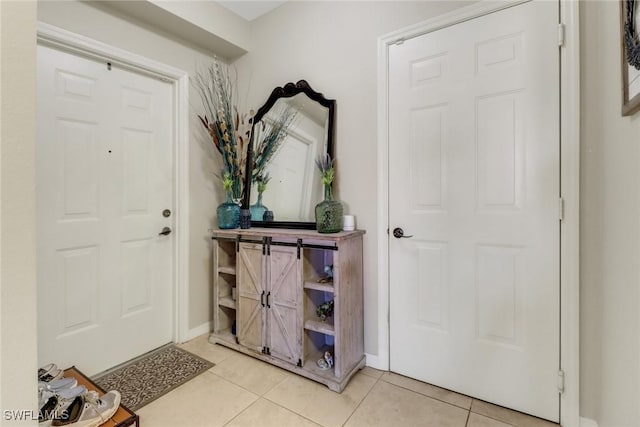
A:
(228, 214)
(258, 209)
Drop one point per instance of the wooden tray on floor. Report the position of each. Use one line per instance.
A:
(122, 418)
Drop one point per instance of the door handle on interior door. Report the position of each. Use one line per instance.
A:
(165, 232)
(398, 233)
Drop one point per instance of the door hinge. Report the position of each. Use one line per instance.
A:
(561, 381)
(561, 209)
(561, 35)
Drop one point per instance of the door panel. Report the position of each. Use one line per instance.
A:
(285, 296)
(104, 274)
(251, 294)
(474, 177)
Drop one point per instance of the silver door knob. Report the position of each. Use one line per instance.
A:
(165, 232)
(398, 233)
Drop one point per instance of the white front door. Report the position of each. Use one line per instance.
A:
(474, 179)
(104, 177)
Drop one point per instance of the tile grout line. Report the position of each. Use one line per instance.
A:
(243, 388)
(363, 399)
(237, 385)
(492, 418)
(251, 391)
(431, 397)
(263, 396)
(290, 410)
(466, 424)
(507, 422)
(241, 412)
(285, 378)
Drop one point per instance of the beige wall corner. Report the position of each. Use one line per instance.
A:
(202, 23)
(333, 45)
(609, 228)
(212, 18)
(18, 328)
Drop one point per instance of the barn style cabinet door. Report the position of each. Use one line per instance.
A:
(269, 318)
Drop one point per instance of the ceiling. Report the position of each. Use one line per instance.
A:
(250, 10)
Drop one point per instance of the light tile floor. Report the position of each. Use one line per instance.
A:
(241, 391)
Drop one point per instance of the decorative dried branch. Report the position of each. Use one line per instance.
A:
(273, 132)
(230, 130)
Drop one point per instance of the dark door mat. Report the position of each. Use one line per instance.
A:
(143, 380)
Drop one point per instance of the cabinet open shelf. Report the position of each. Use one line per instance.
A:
(318, 326)
(227, 301)
(226, 335)
(227, 270)
(317, 286)
(311, 363)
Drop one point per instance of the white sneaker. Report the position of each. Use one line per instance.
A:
(56, 385)
(62, 394)
(97, 411)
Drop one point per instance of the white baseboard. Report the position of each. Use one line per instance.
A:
(374, 362)
(586, 422)
(205, 328)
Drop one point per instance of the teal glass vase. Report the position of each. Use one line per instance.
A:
(228, 214)
(258, 209)
(329, 213)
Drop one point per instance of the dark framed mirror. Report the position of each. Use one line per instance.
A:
(295, 184)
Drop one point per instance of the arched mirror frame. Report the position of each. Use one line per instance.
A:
(288, 91)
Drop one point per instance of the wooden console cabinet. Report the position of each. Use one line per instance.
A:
(267, 287)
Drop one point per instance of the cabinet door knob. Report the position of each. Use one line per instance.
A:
(262, 298)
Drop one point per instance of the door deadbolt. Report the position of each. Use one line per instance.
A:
(166, 213)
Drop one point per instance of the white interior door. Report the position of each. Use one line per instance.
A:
(474, 178)
(104, 177)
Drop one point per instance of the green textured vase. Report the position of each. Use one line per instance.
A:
(329, 213)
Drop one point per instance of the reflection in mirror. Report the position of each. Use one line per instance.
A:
(295, 184)
(294, 187)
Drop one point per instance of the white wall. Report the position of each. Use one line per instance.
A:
(610, 228)
(97, 22)
(17, 214)
(333, 45)
(211, 17)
